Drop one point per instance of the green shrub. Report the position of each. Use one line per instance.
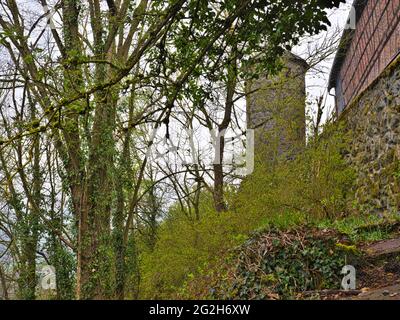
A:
(274, 264)
(316, 184)
(185, 246)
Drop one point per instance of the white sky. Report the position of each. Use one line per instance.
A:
(317, 85)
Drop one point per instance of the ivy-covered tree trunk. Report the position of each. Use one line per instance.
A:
(29, 222)
(73, 83)
(122, 183)
(62, 261)
(3, 284)
(27, 279)
(96, 281)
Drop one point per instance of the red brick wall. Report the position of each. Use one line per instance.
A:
(376, 42)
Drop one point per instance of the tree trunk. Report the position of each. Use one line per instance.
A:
(3, 283)
(219, 202)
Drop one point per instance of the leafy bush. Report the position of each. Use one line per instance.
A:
(316, 184)
(275, 264)
(185, 246)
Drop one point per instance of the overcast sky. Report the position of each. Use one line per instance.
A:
(317, 84)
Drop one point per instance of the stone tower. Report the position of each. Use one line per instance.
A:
(276, 111)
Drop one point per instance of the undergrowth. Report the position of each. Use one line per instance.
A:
(195, 258)
(364, 227)
(274, 264)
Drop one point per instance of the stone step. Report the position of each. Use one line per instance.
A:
(383, 247)
(385, 293)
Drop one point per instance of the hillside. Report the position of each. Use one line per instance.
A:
(306, 263)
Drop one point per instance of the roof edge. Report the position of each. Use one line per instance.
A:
(345, 41)
(294, 57)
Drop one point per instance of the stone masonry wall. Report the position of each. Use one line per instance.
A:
(374, 121)
(276, 110)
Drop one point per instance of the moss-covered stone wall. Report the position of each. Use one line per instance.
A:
(374, 151)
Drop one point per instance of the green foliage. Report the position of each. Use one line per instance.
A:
(396, 173)
(275, 264)
(174, 51)
(314, 186)
(132, 272)
(264, 27)
(184, 246)
(363, 227)
(296, 268)
(317, 184)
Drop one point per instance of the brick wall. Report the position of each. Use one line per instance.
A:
(375, 43)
